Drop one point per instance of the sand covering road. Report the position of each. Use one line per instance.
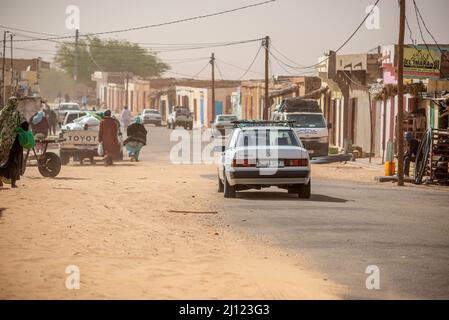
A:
(115, 225)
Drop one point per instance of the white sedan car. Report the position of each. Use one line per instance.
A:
(262, 154)
(151, 116)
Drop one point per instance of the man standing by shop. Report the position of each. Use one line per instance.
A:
(411, 150)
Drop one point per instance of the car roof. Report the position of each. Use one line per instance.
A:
(265, 127)
(76, 111)
(296, 112)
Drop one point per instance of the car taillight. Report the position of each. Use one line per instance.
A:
(296, 162)
(243, 163)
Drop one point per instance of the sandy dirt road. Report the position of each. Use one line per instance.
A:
(116, 225)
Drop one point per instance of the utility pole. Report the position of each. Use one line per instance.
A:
(75, 69)
(127, 91)
(266, 44)
(400, 126)
(212, 62)
(12, 67)
(3, 68)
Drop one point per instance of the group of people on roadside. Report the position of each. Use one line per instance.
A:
(110, 130)
(11, 150)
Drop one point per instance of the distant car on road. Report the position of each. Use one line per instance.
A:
(261, 154)
(222, 124)
(63, 108)
(151, 116)
(180, 116)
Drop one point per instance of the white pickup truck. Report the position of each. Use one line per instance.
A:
(81, 144)
(180, 116)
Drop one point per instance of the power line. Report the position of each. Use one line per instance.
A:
(202, 69)
(346, 41)
(238, 67)
(251, 64)
(288, 59)
(279, 64)
(219, 70)
(422, 35)
(162, 23)
(428, 31)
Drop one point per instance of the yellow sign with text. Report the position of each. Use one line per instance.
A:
(421, 63)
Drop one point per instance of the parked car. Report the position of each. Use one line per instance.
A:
(180, 116)
(310, 124)
(223, 124)
(63, 108)
(261, 154)
(151, 116)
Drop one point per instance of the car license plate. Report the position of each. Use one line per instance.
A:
(270, 163)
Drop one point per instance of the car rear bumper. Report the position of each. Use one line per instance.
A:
(152, 121)
(271, 177)
(316, 149)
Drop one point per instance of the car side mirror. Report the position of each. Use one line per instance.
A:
(329, 125)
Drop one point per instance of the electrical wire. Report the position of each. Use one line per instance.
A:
(238, 67)
(162, 23)
(347, 40)
(422, 36)
(219, 70)
(202, 69)
(251, 64)
(444, 54)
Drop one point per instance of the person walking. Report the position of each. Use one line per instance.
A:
(11, 152)
(39, 127)
(136, 139)
(125, 118)
(410, 152)
(107, 135)
(52, 118)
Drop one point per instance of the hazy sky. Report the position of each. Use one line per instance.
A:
(301, 29)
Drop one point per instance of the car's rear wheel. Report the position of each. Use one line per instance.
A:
(305, 190)
(229, 191)
(220, 184)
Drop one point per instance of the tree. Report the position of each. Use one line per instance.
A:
(109, 55)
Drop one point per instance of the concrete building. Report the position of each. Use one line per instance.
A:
(25, 76)
(196, 95)
(361, 103)
(252, 93)
(347, 104)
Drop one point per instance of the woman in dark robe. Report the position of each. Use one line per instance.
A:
(11, 152)
(137, 138)
(108, 135)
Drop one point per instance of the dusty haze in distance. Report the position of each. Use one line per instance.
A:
(293, 30)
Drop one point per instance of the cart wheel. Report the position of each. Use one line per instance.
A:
(49, 165)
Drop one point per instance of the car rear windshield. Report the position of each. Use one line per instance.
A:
(226, 118)
(152, 111)
(267, 137)
(307, 120)
(69, 107)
